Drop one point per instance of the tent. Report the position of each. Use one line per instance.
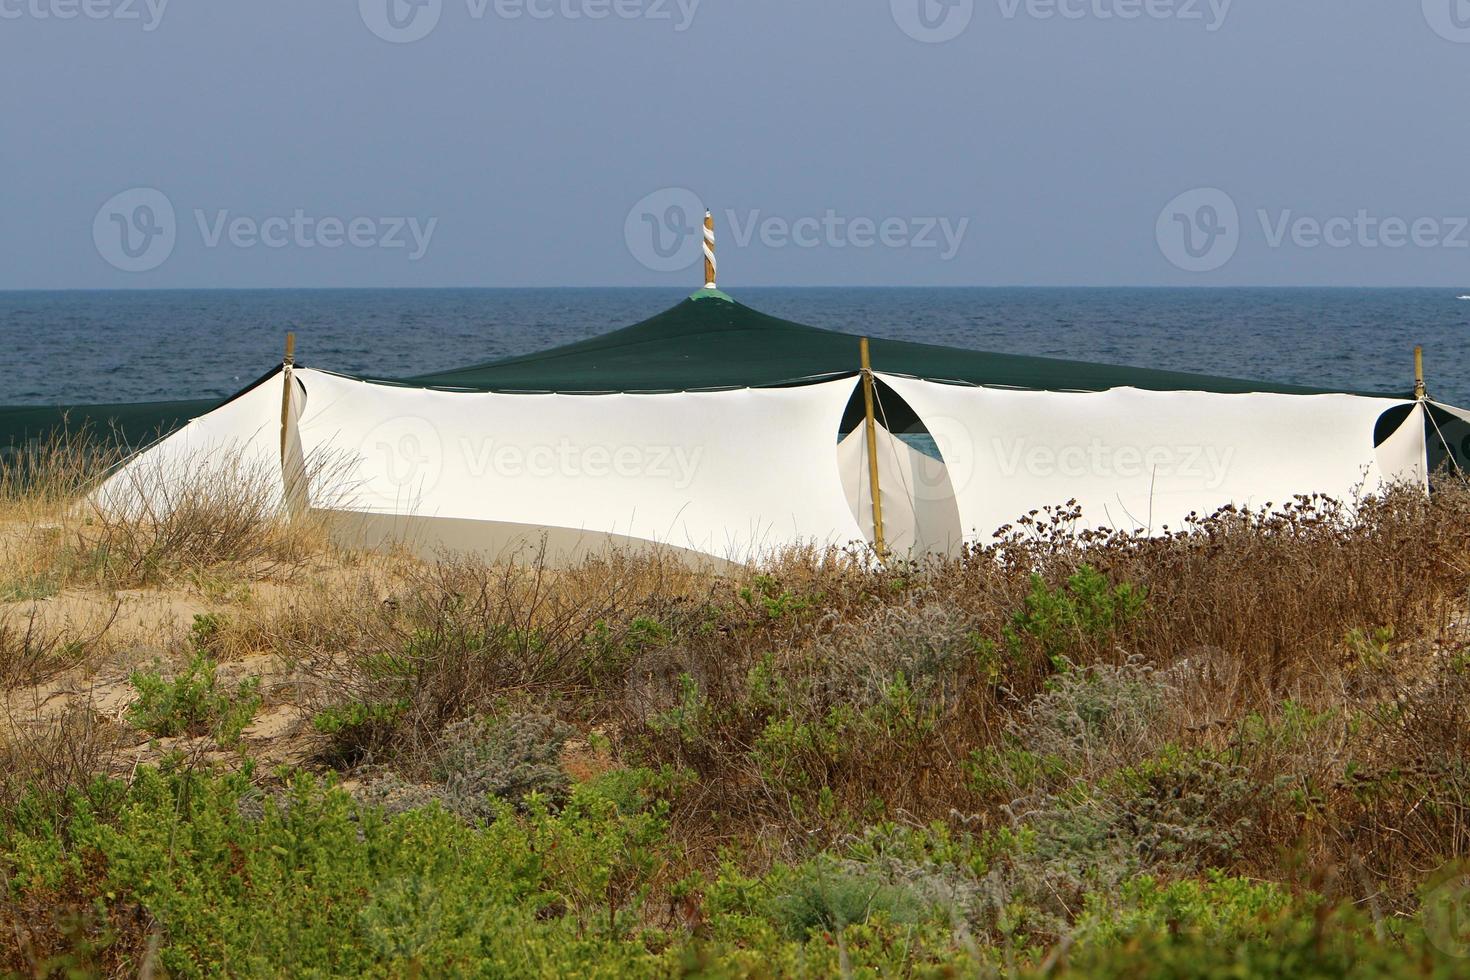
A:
(727, 434)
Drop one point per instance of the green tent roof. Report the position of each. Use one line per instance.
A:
(709, 341)
(131, 423)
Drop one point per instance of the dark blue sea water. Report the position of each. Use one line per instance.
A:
(70, 347)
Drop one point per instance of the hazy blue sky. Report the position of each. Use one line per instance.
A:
(512, 143)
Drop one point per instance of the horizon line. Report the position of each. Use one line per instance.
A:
(814, 286)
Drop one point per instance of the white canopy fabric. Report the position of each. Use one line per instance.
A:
(237, 446)
(739, 475)
(735, 475)
(1145, 460)
(1457, 412)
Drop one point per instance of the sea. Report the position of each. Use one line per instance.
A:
(77, 347)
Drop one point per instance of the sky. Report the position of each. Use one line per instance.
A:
(343, 143)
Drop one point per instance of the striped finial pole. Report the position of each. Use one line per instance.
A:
(709, 250)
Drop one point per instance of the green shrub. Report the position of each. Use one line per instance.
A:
(1088, 611)
(1219, 907)
(193, 874)
(1171, 816)
(315, 884)
(1009, 770)
(1227, 929)
(1286, 728)
(29, 588)
(766, 594)
(822, 897)
(356, 729)
(205, 628)
(192, 702)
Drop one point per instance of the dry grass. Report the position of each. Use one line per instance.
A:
(54, 756)
(229, 517)
(33, 650)
(418, 646)
(43, 477)
(160, 524)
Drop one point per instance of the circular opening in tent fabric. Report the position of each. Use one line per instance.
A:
(1404, 432)
(917, 497)
(1448, 444)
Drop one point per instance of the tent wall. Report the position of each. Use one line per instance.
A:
(235, 448)
(739, 475)
(735, 475)
(1145, 460)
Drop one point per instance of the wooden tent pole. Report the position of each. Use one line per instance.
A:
(1419, 391)
(872, 425)
(287, 367)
